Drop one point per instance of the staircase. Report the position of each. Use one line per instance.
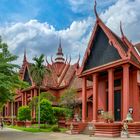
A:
(78, 127)
(89, 129)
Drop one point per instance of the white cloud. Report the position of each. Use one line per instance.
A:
(80, 6)
(40, 38)
(126, 11)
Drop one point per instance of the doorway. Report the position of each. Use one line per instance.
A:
(117, 105)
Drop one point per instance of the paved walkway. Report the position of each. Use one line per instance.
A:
(12, 134)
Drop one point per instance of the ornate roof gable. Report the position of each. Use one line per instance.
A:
(105, 47)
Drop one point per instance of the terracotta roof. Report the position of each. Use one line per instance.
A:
(124, 47)
(77, 83)
(60, 75)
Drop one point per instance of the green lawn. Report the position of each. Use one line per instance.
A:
(34, 128)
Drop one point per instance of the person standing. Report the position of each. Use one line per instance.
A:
(2, 125)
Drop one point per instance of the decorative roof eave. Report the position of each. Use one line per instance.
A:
(56, 88)
(27, 66)
(135, 64)
(105, 67)
(129, 44)
(63, 71)
(34, 87)
(112, 40)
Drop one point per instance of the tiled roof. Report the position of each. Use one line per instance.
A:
(60, 76)
(124, 47)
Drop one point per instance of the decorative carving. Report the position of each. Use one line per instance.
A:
(95, 11)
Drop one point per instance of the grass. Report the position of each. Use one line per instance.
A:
(34, 128)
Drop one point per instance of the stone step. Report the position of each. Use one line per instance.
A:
(87, 130)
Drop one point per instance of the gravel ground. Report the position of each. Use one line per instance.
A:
(12, 134)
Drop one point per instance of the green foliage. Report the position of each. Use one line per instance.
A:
(62, 112)
(24, 113)
(44, 95)
(107, 116)
(69, 113)
(34, 129)
(9, 80)
(47, 95)
(59, 111)
(55, 128)
(68, 98)
(38, 70)
(34, 102)
(46, 112)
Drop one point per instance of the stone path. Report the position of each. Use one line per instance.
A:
(12, 134)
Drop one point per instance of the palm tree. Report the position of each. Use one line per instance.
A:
(38, 71)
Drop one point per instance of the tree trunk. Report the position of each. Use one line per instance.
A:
(39, 107)
(12, 113)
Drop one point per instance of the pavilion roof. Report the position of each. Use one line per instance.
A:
(124, 47)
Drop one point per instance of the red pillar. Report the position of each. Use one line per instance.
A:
(95, 96)
(35, 92)
(5, 110)
(84, 99)
(8, 109)
(32, 110)
(14, 110)
(23, 99)
(111, 91)
(125, 90)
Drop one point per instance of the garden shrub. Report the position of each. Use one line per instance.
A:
(24, 113)
(46, 112)
(59, 111)
(55, 128)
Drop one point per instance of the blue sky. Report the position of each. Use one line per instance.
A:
(37, 25)
(59, 13)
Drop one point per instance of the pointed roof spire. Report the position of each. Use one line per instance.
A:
(121, 29)
(59, 54)
(95, 11)
(25, 59)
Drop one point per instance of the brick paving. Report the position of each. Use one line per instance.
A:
(12, 134)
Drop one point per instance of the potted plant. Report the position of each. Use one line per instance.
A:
(107, 117)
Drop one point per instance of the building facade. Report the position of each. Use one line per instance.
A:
(112, 63)
(63, 76)
(107, 81)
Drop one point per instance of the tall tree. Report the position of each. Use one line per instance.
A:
(9, 79)
(38, 71)
(69, 98)
(17, 84)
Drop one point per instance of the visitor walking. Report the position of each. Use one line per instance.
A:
(1, 125)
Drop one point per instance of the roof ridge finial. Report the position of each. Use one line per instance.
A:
(121, 29)
(59, 54)
(60, 42)
(60, 51)
(25, 58)
(95, 11)
(78, 59)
